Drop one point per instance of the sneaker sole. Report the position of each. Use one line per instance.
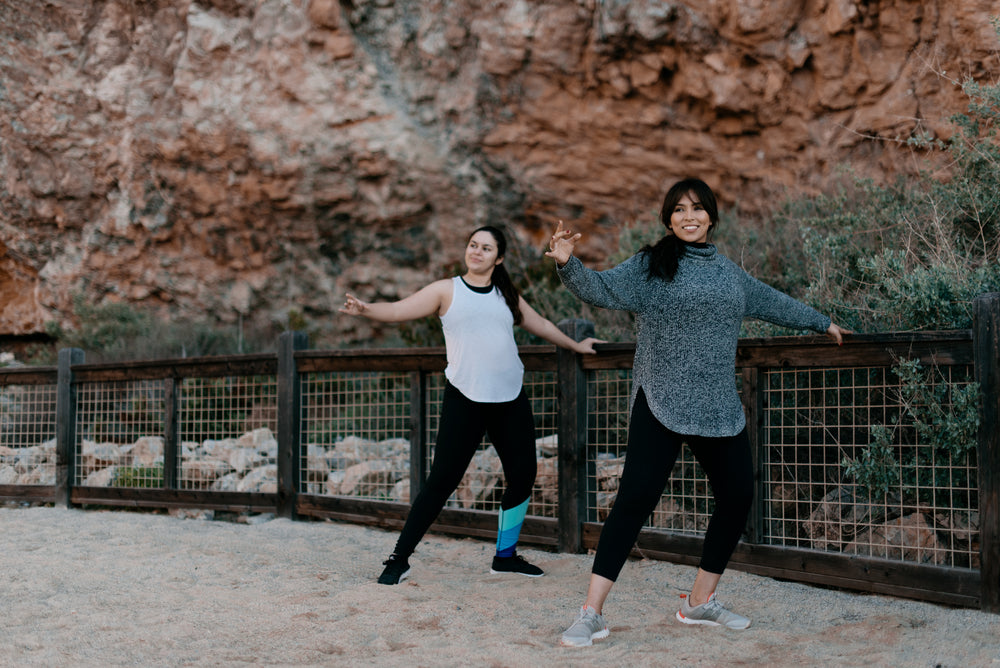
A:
(706, 622)
(604, 633)
(527, 575)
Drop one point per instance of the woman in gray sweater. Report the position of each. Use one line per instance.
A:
(689, 303)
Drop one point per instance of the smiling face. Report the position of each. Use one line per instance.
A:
(689, 221)
(482, 253)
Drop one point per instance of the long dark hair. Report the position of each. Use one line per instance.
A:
(666, 253)
(501, 279)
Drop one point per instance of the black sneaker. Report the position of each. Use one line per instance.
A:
(396, 570)
(515, 564)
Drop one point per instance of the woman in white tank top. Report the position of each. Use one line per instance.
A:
(484, 393)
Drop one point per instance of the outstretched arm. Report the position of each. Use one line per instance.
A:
(767, 303)
(613, 288)
(546, 329)
(430, 300)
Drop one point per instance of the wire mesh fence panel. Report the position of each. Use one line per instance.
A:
(119, 430)
(686, 503)
(859, 462)
(542, 389)
(607, 435)
(355, 429)
(482, 486)
(227, 427)
(28, 435)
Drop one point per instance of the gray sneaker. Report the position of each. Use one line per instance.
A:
(711, 614)
(587, 628)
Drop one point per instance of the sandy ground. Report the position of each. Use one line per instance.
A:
(97, 588)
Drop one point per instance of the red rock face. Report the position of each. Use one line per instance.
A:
(238, 158)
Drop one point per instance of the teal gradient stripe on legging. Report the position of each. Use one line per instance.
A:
(509, 529)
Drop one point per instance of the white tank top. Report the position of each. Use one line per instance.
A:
(479, 337)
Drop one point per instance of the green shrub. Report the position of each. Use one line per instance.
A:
(913, 254)
(877, 469)
(114, 332)
(139, 476)
(936, 447)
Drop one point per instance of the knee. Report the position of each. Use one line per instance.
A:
(520, 486)
(440, 485)
(736, 497)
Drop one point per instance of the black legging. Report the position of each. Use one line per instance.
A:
(650, 456)
(511, 428)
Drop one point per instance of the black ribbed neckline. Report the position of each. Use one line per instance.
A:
(485, 290)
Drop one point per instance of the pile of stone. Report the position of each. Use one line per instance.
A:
(354, 466)
(244, 464)
(841, 521)
(34, 465)
(846, 521)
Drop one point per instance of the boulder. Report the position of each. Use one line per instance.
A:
(911, 538)
(840, 514)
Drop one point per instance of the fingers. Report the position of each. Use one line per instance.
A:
(556, 236)
(561, 234)
(352, 305)
(561, 244)
(836, 333)
(587, 345)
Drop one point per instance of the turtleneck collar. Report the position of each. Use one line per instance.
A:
(699, 250)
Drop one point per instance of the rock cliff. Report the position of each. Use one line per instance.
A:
(241, 158)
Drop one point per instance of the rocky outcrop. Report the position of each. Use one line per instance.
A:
(236, 159)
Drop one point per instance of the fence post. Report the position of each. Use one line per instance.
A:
(986, 346)
(572, 438)
(753, 404)
(171, 433)
(289, 421)
(66, 424)
(418, 432)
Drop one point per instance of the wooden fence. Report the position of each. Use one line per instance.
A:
(974, 582)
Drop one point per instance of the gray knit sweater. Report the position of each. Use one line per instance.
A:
(686, 332)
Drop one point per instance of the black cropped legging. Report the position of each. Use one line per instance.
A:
(651, 453)
(511, 428)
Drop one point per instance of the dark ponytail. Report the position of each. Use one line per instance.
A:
(501, 279)
(665, 255)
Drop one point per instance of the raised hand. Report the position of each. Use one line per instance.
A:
(561, 244)
(353, 306)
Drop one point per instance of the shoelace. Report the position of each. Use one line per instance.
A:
(714, 607)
